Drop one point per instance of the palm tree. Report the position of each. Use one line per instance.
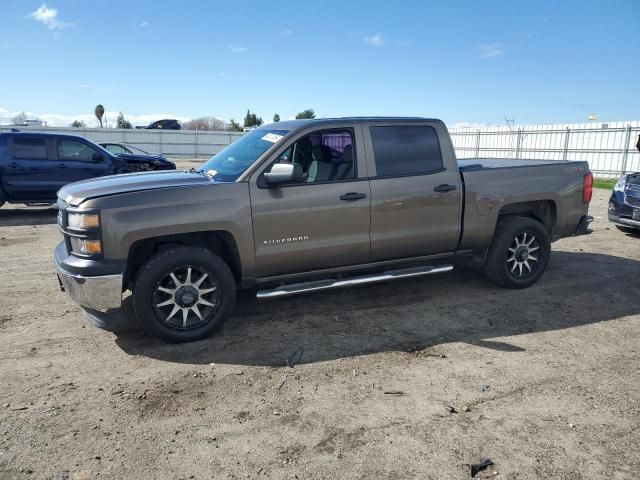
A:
(99, 112)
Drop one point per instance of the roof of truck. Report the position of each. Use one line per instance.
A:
(295, 124)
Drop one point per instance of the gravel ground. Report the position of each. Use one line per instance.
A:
(545, 381)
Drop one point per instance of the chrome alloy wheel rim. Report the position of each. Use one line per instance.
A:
(186, 297)
(522, 257)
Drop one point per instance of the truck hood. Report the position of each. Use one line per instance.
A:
(76, 193)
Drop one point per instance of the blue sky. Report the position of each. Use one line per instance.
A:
(463, 61)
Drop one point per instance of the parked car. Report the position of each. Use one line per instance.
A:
(124, 150)
(34, 165)
(309, 205)
(166, 124)
(624, 204)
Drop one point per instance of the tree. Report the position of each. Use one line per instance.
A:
(308, 113)
(122, 123)
(99, 113)
(234, 126)
(252, 120)
(19, 119)
(78, 124)
(276, 118)
(205, 123)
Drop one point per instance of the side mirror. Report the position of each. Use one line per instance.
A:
(97, 158)
(284, 172)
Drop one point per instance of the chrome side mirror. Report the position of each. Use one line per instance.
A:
(284, 172)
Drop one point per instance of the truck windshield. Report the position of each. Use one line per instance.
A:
(231, 162)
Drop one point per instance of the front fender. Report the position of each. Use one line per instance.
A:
(131, 217)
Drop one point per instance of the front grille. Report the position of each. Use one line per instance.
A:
(62, 223)
(632, 201)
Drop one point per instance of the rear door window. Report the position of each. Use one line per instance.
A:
(406, 150)
(30, 148)
(74, 150)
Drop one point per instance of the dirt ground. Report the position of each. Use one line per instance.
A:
(546, 381)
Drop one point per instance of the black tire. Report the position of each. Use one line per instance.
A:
(509, 262)
(633, 231)
(171, 270)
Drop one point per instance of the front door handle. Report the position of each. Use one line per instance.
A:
(62, 165)
(444, 188)
(352, 196)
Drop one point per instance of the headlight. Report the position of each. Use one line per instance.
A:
(620, 184)
(85, 247)
(83, 221)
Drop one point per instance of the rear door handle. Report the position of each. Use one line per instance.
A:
(62, 165)
(352, 196)
(444, 188)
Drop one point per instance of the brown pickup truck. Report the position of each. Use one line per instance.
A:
(308, 205)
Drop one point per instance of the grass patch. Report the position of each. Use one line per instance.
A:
(606, 183)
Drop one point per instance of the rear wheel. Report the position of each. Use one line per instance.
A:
(519, 253)
(184, 294)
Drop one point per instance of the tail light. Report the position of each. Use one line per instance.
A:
(587, 188)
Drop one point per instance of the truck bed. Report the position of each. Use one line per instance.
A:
(554, 186)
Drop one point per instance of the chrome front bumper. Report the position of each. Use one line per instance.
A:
(98, 293)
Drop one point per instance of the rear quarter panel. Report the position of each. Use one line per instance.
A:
(487, 191)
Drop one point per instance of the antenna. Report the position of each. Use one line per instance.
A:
(510, 122)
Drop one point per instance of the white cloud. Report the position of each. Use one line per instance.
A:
(59, 120)
(376, 40)
(286, 33)
(236, 49)
(48, 16)
(143, 24)
(489, 50)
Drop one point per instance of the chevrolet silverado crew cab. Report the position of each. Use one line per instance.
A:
(35, 165)
(308, 205)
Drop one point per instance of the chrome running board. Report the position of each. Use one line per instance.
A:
(326, 284)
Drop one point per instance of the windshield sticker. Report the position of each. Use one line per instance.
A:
(272, 137)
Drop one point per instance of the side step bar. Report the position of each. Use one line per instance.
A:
(316, 285)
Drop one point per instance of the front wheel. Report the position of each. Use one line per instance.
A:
(184, 294)
(519, 253)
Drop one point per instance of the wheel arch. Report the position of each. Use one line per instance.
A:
(544, 211)
(220, 242)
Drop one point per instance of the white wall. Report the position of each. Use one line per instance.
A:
(608, 147)
(171, 143)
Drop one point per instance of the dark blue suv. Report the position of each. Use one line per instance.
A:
(34, 166)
